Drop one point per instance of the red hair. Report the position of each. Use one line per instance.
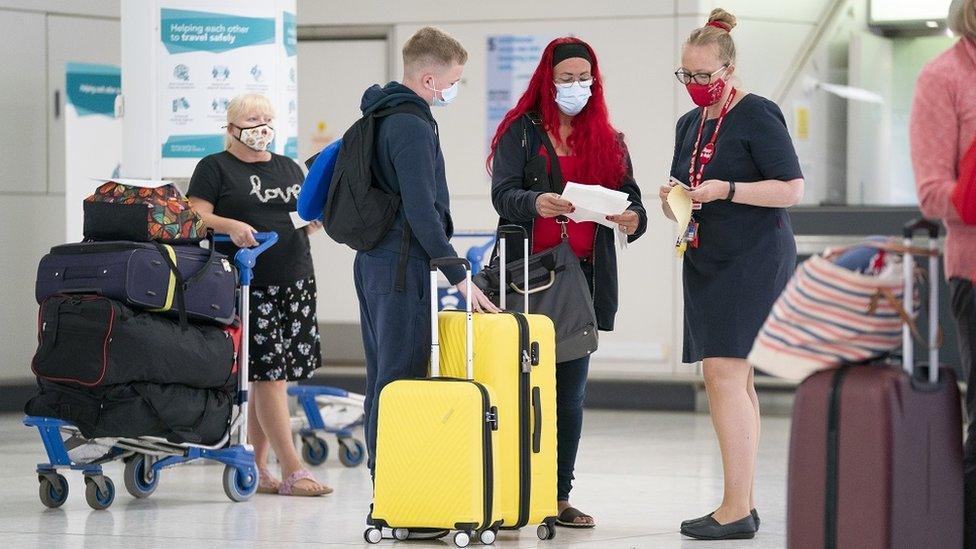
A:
(593, 138)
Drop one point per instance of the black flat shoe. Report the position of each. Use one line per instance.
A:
(710, 529)
(754, 513)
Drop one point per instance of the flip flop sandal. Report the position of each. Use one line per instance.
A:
(567, 518)
(288, 487)
(267, 484)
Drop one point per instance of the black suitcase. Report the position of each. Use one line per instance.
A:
(175, 412)
(92, 341)
(138, 274)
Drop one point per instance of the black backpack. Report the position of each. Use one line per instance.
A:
(358, 212)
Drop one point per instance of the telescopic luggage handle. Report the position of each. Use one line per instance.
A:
(908, 266)
(503, 232)
(435, 346)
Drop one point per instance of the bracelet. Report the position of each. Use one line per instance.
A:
(731, 191)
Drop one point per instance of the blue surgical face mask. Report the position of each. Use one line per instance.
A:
(449, 94)
(571, 98)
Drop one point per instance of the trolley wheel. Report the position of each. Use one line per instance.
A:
(240, 484)
(314, 450)
(136, 471)
(96, 498)
(401, 534)
(462, 539)
(373, 535)
(487, 537)
(53, 494)
(352, 455)
(546, 532)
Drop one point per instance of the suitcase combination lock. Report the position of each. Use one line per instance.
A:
(491, 418)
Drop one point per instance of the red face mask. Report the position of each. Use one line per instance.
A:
(706, 95)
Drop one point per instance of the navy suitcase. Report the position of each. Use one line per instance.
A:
(138, 274)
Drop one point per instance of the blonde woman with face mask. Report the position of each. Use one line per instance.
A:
(735, 154)
(240, 191)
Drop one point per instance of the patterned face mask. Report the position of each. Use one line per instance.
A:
(257, 137)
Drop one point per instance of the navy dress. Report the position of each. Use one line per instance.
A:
(746, 254)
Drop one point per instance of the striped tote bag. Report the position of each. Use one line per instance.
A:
(830, 315)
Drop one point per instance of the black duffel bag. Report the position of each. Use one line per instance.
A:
(175, 412)
(92, 341)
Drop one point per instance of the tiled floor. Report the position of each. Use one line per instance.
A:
(639, 475)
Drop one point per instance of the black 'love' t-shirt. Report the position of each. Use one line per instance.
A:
(260, 194)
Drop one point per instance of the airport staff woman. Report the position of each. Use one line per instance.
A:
(566, 94)
(239, 191)
(736, 152)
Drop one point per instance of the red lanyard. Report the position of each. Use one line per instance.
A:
(695, 179)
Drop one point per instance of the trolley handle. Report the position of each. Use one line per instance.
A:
(247, 258)
(913, 227)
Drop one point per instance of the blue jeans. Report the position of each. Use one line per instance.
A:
(395, 326)
(570, 392)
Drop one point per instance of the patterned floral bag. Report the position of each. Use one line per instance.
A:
(117, 211)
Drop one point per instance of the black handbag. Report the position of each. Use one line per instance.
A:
(556, 288)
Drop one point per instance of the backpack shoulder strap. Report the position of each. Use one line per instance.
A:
(408, 107)
(556, 182)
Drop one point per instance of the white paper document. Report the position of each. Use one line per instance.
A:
(297, 220)
(594, 203)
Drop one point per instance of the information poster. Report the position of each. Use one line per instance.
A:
(511, 61)
(213, 51)
(92, 134)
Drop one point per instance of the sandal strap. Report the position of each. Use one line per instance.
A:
(570, 514)
(289, 483)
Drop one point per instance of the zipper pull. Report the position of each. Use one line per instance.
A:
(526, 362)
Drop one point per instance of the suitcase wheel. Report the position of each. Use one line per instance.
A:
(373, 535)
(315, 450)
(352, 455)
(97, 498)
(546, 531)
(401, 534)
(462, 539)
(487, 537)
(53, 490)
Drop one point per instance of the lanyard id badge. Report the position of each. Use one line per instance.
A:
(701, 156)
(688, 237)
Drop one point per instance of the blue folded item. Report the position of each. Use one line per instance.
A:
(315, 189)
(863, 259)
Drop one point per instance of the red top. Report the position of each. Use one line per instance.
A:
(547, 232)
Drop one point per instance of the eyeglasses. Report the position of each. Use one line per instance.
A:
(702, 78)
(569, 81)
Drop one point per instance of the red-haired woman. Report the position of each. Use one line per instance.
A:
(564, 104)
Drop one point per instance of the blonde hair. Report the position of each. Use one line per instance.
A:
(243, 105)
(432, 46)
(717, 34)
(962, 18)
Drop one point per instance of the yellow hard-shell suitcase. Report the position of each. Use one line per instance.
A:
(436, 451)
(515, 355)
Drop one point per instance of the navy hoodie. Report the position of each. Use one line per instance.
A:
(407, 160)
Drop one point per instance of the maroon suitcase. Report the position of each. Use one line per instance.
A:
(876, 452)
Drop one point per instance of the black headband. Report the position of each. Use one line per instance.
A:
(563, 52)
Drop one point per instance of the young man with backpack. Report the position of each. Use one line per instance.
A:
(392, 276)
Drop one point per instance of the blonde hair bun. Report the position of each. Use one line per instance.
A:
(723, 17)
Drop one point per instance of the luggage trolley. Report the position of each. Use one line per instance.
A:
(145, 457)
(314, 399)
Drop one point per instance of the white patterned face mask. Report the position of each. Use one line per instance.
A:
(257, 137)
